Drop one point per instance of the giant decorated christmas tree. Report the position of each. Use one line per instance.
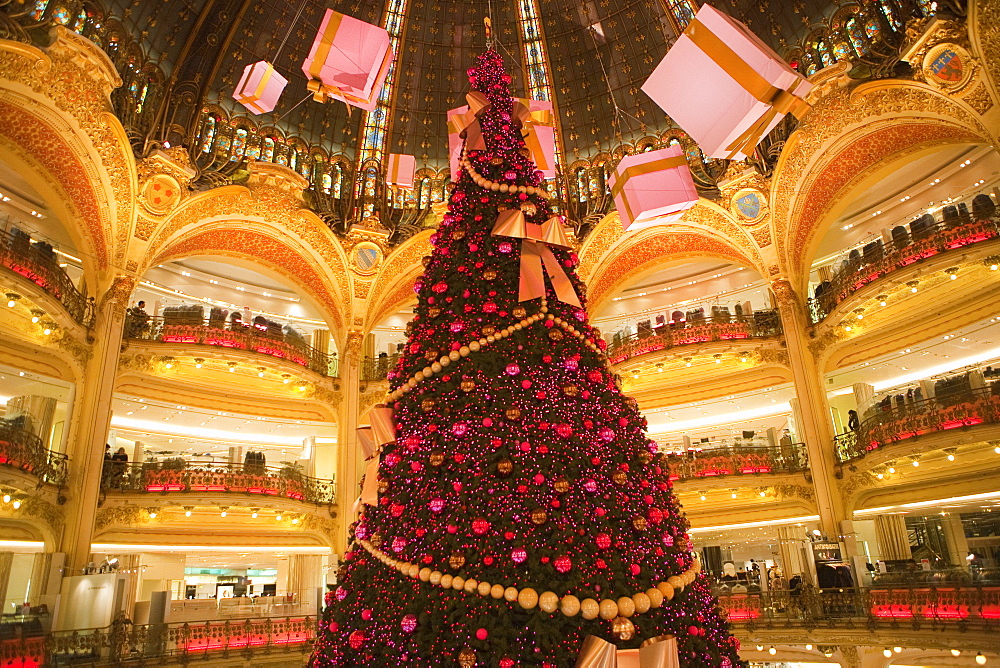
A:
(518, 506)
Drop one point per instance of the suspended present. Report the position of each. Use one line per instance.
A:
(401, 169)
(724, 86)
(259, 87)
(653, 188)
(349, 61)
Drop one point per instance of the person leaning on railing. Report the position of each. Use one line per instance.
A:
(136, 321)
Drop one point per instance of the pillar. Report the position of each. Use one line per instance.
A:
(350, 459)
(893, 539)
(954, 536)
(864, 396)
(790, 548)
(813, 423)
(91, 419)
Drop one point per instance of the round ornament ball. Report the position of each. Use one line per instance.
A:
(622, 628)
(667, 590)
(626, 606)
(569, 605)
(510, 594)
(676, 582)
(497, 591)
(548, 601)
(527, 598)
(609, 609)
(641, 602)
(456, 560)
(539, 516)
(590, 608)
(655, 597)
(484, 589)
(467, 658)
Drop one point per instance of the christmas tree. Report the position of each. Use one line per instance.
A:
(520, 507)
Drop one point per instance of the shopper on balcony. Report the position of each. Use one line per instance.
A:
(136, 320)
(853, 422)
(119, 465)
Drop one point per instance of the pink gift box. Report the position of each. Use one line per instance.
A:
(652, 188)
(401, 169)
(349, 60)
(455, 126)
(259, 87)
(541, 137)
(724, 86)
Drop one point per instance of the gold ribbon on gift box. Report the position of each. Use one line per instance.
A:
(371, 439)
(537, 258)
(251, 99)
(781, 101)
(641, 170)
(659, 652)
(529, 121)
(322, 91)
(468, 122)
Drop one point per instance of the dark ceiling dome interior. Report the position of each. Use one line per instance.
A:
(203, 46)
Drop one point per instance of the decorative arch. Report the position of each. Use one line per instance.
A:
(393, 287)
(294, 241)
(651, 248)
(845, 141)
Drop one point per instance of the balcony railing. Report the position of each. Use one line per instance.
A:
(20, 449)
(39, 264)
(889, 425)
(749, 460)
(179, 477)
(760, 325)
(969, 608)
(208, 332)
(906, 248)
(375, 368)
(124, 643)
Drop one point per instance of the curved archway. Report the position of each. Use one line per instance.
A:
(393, 286)
(847, 141)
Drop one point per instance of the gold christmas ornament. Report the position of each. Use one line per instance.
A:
(639, 523)
(505, 466)
(456, 560)
(626, 606)
(619, 477)
(529, 208)
(433, 312)
(622, 628)
(561, 485)
(655, 597)
(667, 590)
(489, 330)
(467, 658)
(569, 605)
(437, 458)
(590, 608)
(608, 609)
(428, 405)
(645, 457)
(376, 540)
(548, 602)
(527, 598)
(458, 235)
(426, 261)
(383, 486)
(513, 413)
(496, 161)
(489, 275)
(641, 602)
(467, 386)
(539, 516)
(555, 334)
(571, 390)
(519, 312)
(431, 355)
(676, 582)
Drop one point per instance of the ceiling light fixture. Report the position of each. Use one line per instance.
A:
(12, 299)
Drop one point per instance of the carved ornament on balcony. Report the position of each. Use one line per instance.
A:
(279, 177)
(122, 516)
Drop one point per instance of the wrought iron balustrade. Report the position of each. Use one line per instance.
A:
(738, 460)
(22, 450)
(376, 368)
(219, 334)
(932, 240)
(36, 262)
(178, 477)
(910, 420)
(966, 608)
(123, 643)
(760, 325)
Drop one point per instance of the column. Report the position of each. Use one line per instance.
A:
(893, 539)
(954, 536)
(864, 395)
(91, 418)
(350, 462)
(813, 415)
(790, 547)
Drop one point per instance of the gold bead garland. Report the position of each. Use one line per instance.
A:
(486, 184)
(527, 598)
(478, 344)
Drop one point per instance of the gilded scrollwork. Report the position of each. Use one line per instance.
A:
(118, 516)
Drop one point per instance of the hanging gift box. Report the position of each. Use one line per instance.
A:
(724, 86)
(653, 188)
(259, 87)
(463, 128)
(539, 131)
(401, 169)
(349, 61)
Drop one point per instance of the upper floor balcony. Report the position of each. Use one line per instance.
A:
(36, 262)
(904, 245)
(189, 328)
(894, 421)
(738, 461)
(686, 329)
(177, 477)
(24, 451)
